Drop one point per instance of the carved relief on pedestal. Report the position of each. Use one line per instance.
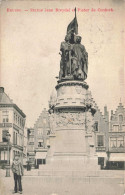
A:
(78, 89)
(61, 91)
(70, 119)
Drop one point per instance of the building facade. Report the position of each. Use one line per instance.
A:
(38, 140)
(12, 121)
(30, 147)
(116, 148)
(101, 135)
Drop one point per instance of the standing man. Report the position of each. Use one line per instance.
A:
(65, 61)
(80, 53)
(17, 170)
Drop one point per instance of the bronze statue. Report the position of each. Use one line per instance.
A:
(64, 63)
(74, 58)
(81, 62)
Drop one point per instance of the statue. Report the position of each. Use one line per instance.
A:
(81, 60)
(51, 121)
(74, 58)
(64, 63)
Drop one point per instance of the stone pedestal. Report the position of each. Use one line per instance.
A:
(72, 147)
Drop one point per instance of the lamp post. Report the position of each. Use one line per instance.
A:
(108, 156)
(4, 154)
(8, 159)
(44, 132)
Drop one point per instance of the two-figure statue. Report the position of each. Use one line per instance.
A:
(74, 58)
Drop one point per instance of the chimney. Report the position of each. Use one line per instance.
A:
(105, 110)
(106, 114)
(1, 89)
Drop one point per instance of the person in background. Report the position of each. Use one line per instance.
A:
(17, 169)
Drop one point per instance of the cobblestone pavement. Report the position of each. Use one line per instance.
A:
(39, 185)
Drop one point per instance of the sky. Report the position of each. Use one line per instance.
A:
(30, 44)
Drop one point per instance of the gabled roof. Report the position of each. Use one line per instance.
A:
(40, 121)
(6, 101)
(119, 109)
(4, 98)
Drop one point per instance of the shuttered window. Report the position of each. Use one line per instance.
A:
(100, 140)
(4, 133)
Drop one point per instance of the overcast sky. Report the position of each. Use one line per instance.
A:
(30, 43)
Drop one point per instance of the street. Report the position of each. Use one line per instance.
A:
(45, 185)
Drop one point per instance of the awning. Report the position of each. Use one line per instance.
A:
(101, 154)
(117, 157)
(40, 155)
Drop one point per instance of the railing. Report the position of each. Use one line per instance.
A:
(100, 148)
(18, 147)
(31, 153)
(117, 149)
(4, 145)
(5, 124)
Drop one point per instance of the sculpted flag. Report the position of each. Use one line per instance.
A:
(73, 26)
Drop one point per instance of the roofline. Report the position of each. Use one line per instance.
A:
(14, 106)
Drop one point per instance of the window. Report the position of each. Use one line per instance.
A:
(4, 133)
(115, 128)
(40, 144)
(120, 118)
(113, 142)
(3, 155)
(117, 142)
(96, 126)
(40, 131)
(16, 118)
(21, 140)
(14, 140)
(20, 122)
(120, 142)
(100, 140)
(18, 139)
(123, 127)
(5, 119)
(5, 115)
(23, 123)
(41, 161)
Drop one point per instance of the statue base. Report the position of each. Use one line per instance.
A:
(69, 78)
(72, 146)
